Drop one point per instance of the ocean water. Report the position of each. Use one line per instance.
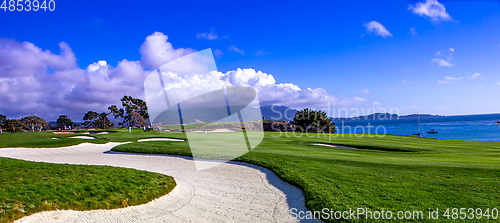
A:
(467, 127)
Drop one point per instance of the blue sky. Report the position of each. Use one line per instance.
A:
(313, 44)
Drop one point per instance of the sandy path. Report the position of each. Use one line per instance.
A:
(230, 192)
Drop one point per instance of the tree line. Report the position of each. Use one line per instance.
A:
(133, 113)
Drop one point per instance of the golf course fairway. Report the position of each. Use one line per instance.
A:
(396, 173)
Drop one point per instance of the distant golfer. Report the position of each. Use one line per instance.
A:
(129, 129)
(1, 130)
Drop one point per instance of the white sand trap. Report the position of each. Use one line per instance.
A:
(225, 130)
(82, 137)
(220, 130)
(229, 192)
(54, 138)
(336, 146)
(97, 133)
(160, 139)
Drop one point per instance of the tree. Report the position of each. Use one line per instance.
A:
(134, 112)
(64, 121)
(95, 120)
(138, 120)
(309, 120)
(34, 123)
(2, 119)
(13, 125)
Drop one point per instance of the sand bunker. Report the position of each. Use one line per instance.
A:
(160, 139)
(336, 146)
(82, 137)
(229, 192)
(97, 133)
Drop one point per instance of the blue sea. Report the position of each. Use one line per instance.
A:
(466, 127)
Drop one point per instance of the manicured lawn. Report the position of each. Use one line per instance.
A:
(396, 173)
(29, 187)
(45, 139)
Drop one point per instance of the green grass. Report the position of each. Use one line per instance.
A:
(397, 173)
(29, 187)
(44, 139)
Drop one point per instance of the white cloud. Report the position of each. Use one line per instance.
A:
(377, 28)
(218, 53)
(358, 99)
(236, 50)
(413, 31)
(449, 79)
(261, 53)
(269, 91)
(432, 9)
(38, 82)
(27, 88)
(365, 91)
(156, 51)
(442, 62)
(474, 76)
(210, 36)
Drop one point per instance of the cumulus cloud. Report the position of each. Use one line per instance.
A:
(218, 53)
(269, 91)
(413, 31)
(210, 36)
(38, 82)
(365, 91)
(474, 76)
(377, 28)
(358, 99)
(449, 79)
(261, 53)
(431, 9)
(236, 50)
(156, 51)
(443, 62)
